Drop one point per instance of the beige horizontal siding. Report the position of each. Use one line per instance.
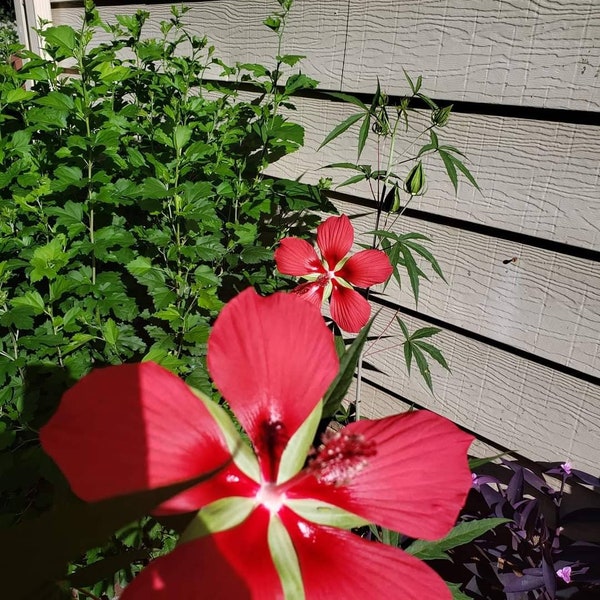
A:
(544, 303)
(536, 177)
(236, 30)
(524, 52)
(519, 404)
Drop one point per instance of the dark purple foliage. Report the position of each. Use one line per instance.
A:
(545, 552)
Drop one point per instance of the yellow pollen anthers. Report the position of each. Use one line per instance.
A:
(341, 457)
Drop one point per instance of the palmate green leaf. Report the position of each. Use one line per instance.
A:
(349, 98)
(450, 168)
(339, 387)
(363, 134)
(347, 165)
(415, 347)
(351, 180)
(413, 271)
(339, 129)
(427, 255)
(434, 352)
(40, 549)
(463, 169)
(422, 365)
(462, 534)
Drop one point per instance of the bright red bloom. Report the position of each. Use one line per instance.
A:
(334, 274)
(271, 525)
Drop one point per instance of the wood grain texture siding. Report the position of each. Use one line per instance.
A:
(536, 178)
(543, 303)
(525, 52)
(523, 406)
(530, 52)
(236, 30)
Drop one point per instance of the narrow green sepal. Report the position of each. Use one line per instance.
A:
(296, 451)
(243, 456)
(323, 513)
(285, 559)
(220, 515)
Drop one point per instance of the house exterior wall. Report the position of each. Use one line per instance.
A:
(522, 338)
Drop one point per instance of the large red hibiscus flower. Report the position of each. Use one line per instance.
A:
(275, 522)
(335, 273)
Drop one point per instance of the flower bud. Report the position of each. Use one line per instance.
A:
(414, 183)
(440, 116)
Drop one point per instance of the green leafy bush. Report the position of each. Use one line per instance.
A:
(133, 206)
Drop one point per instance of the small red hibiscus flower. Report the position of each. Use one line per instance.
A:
(336, 273)
(274, 523)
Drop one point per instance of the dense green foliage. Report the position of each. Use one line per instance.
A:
(133, 206)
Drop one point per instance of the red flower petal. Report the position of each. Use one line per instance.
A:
(416, 483)
(131, 428)
(338, 564)
(229, 565)
(192, 571)
(349, 309)
(311, 291)
(366, 268)
(334, 238)
(228, 482)
(295, 256)
(272, 359)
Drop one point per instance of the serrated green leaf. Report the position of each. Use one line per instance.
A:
(403, 327)
(408, 355)
(345, 165)
(182, 136)
(63, 37)
(462, 534)
(32, 300)
(273, 22)
(291, 59)
(410, 82)
(110, 331)
(428, 256)
(18, 95)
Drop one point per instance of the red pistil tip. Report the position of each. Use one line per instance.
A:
(341, 457)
